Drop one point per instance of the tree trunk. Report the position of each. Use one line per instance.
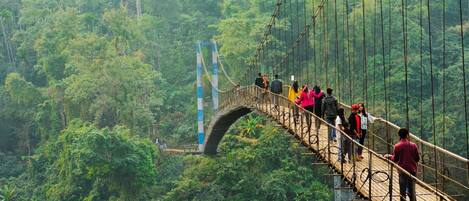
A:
(7, 43)
(139, 7)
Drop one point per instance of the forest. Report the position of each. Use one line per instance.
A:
(86, 86)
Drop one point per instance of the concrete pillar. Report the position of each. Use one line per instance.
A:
(342, 191)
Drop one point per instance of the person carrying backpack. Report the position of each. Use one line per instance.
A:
(276, 89)
(329, 106)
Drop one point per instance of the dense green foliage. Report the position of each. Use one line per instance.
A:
(86, 86)
(257, 163)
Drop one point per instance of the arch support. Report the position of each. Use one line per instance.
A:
(220, 124)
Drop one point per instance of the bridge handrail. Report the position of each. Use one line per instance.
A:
(413, 137)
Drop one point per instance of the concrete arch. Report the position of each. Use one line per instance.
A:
(220, 124)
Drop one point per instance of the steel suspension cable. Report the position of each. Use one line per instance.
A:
(354, 47)
(337, 81)
(306, 42)
(348, 53)
(365, 62)
(384, 75)
(432, 90)
(208, 75)
(292, 41)
(464, 80)
(297, 44)
(285, 59)
(374, 55)
(390, 63)
(385, 89)
(325, 50)
(421, 81)
(274, 43)
(314, 47)
(404, 37)
(443, 140)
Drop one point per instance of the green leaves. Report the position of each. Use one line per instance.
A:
(263, 168)
(7, 193)
(116, 164)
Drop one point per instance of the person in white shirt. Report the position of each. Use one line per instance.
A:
(365, 118)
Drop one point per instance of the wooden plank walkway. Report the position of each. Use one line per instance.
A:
(381, 169)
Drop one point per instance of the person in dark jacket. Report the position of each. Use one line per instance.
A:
(329, 107)
(276, 89)
(355, 125)
(343, 137)
(259, 82)
(318, 97)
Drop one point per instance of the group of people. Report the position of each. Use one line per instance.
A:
(405, 153)
(275, 87)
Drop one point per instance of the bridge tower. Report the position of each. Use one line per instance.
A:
(200, 100)
(214, 83)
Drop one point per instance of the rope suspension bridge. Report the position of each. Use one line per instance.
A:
(358, 48)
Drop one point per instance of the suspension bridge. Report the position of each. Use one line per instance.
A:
(351, 46)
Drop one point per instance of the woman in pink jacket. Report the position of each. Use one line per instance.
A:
(306, 101)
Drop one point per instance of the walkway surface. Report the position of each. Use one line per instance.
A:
(381, 169)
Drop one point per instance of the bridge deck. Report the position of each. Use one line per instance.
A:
(380, 168)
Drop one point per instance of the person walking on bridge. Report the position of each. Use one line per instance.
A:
(307, 102)
(355, 125)
(365, 119)
(329, 106)
(259, 82)
(265, 86)
(406, 155)
(343, 137)
(318, 97)
(294, 93)
(276, 89)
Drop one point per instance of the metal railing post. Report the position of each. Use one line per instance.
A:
(370, 173)
(290, 115)
(301, 124)
(341, 155)
(309, 138)
(391, 178)
(328, 148)
(354, 176)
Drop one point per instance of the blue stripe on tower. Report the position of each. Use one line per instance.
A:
(201, 138)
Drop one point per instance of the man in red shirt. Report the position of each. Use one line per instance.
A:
(406, 155)
(355, 129)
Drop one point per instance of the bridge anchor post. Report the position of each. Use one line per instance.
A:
(342, 191)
